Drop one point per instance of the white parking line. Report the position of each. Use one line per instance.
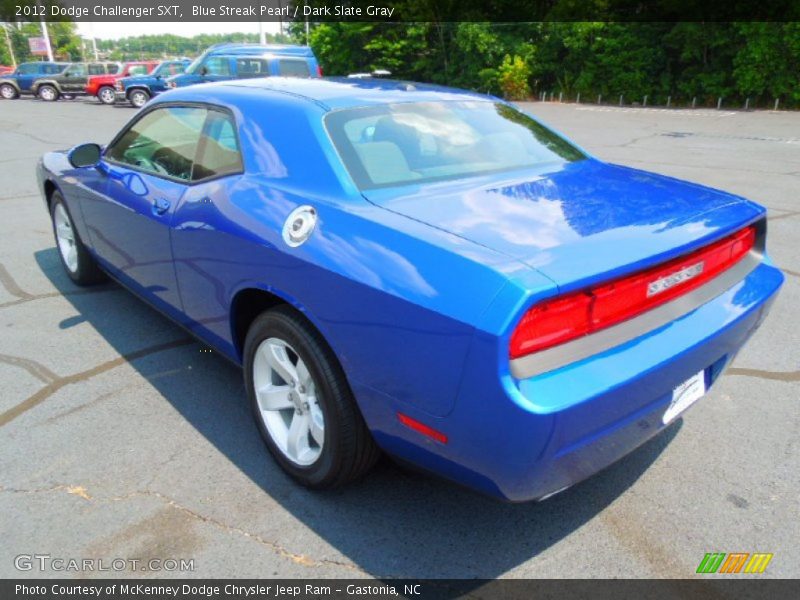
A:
(669, 111)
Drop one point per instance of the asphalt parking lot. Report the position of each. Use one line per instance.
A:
(121, 438)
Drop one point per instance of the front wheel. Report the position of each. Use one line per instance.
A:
(8, 92)
(77, 262)
(48, 93)
(107, 95)
(302, 402)
(138, 98)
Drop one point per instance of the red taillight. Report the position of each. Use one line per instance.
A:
(319, 71)
(422, 428)
(561, 319)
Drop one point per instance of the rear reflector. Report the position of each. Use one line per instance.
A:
(422, 428)
(562, 319)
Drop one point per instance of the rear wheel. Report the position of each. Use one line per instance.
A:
(8, 92)
(48, 93)
(77, 262)
(302, 403)
(138, 98)
(107, 95)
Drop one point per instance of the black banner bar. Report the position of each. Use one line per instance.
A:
(399, 10)
(712, 588)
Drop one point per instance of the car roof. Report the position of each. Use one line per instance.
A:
(265, 55)
(338, 93)
(250, 49)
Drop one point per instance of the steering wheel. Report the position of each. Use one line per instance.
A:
(151, 165)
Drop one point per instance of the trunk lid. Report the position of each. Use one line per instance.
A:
(577, 223)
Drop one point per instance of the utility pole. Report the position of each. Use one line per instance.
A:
(307, 31)
(94, 41)
(10, 47)
(262, 37)
(45, 34)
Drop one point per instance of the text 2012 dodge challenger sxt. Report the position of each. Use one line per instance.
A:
(417, 269)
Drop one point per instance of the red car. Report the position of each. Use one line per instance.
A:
(4, 70)
(102, 86)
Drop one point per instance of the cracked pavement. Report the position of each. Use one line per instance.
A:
(120, 437)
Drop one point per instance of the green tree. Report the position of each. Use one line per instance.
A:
(767, 64)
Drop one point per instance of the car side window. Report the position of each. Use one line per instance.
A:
(252, 67)
(217, 65)
(78, 70)
(95, 69)
(52, 69)
(218, 152)
(293, 68)
(28, 69)
(137, 70)
(163, 142)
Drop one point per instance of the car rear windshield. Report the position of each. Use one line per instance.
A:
(396, 144)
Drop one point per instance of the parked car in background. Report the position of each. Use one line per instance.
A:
(72, 80)
(419, 269)
(4, 70)
(20, 81)
(243, 61)
(102, 86)
(139, 89)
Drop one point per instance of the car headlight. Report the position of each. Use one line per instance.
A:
(171, 84)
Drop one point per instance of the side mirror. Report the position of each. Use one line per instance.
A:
(84, 155)
(204, 71)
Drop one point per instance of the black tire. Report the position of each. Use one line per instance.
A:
(138, 97)
(86, 271)
(348, 450)
(8, 92)
(47, 92)
(107, 95)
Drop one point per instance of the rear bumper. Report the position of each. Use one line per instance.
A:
(524, 439)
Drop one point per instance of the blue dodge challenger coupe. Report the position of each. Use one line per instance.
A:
(420, 270)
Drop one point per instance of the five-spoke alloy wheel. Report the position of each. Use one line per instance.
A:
(287, 401)
(302, 402)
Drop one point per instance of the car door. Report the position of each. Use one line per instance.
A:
(26, 74)
(205, 253)
(148, 168)
(74, 79)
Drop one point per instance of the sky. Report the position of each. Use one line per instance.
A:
(116, 30)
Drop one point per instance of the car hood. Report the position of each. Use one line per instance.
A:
(577, 223)
(139, 79)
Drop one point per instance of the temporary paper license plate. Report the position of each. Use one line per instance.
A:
(685, 395)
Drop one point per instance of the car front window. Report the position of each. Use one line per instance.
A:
(217, 65)
(163, 142)
(418, 142)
